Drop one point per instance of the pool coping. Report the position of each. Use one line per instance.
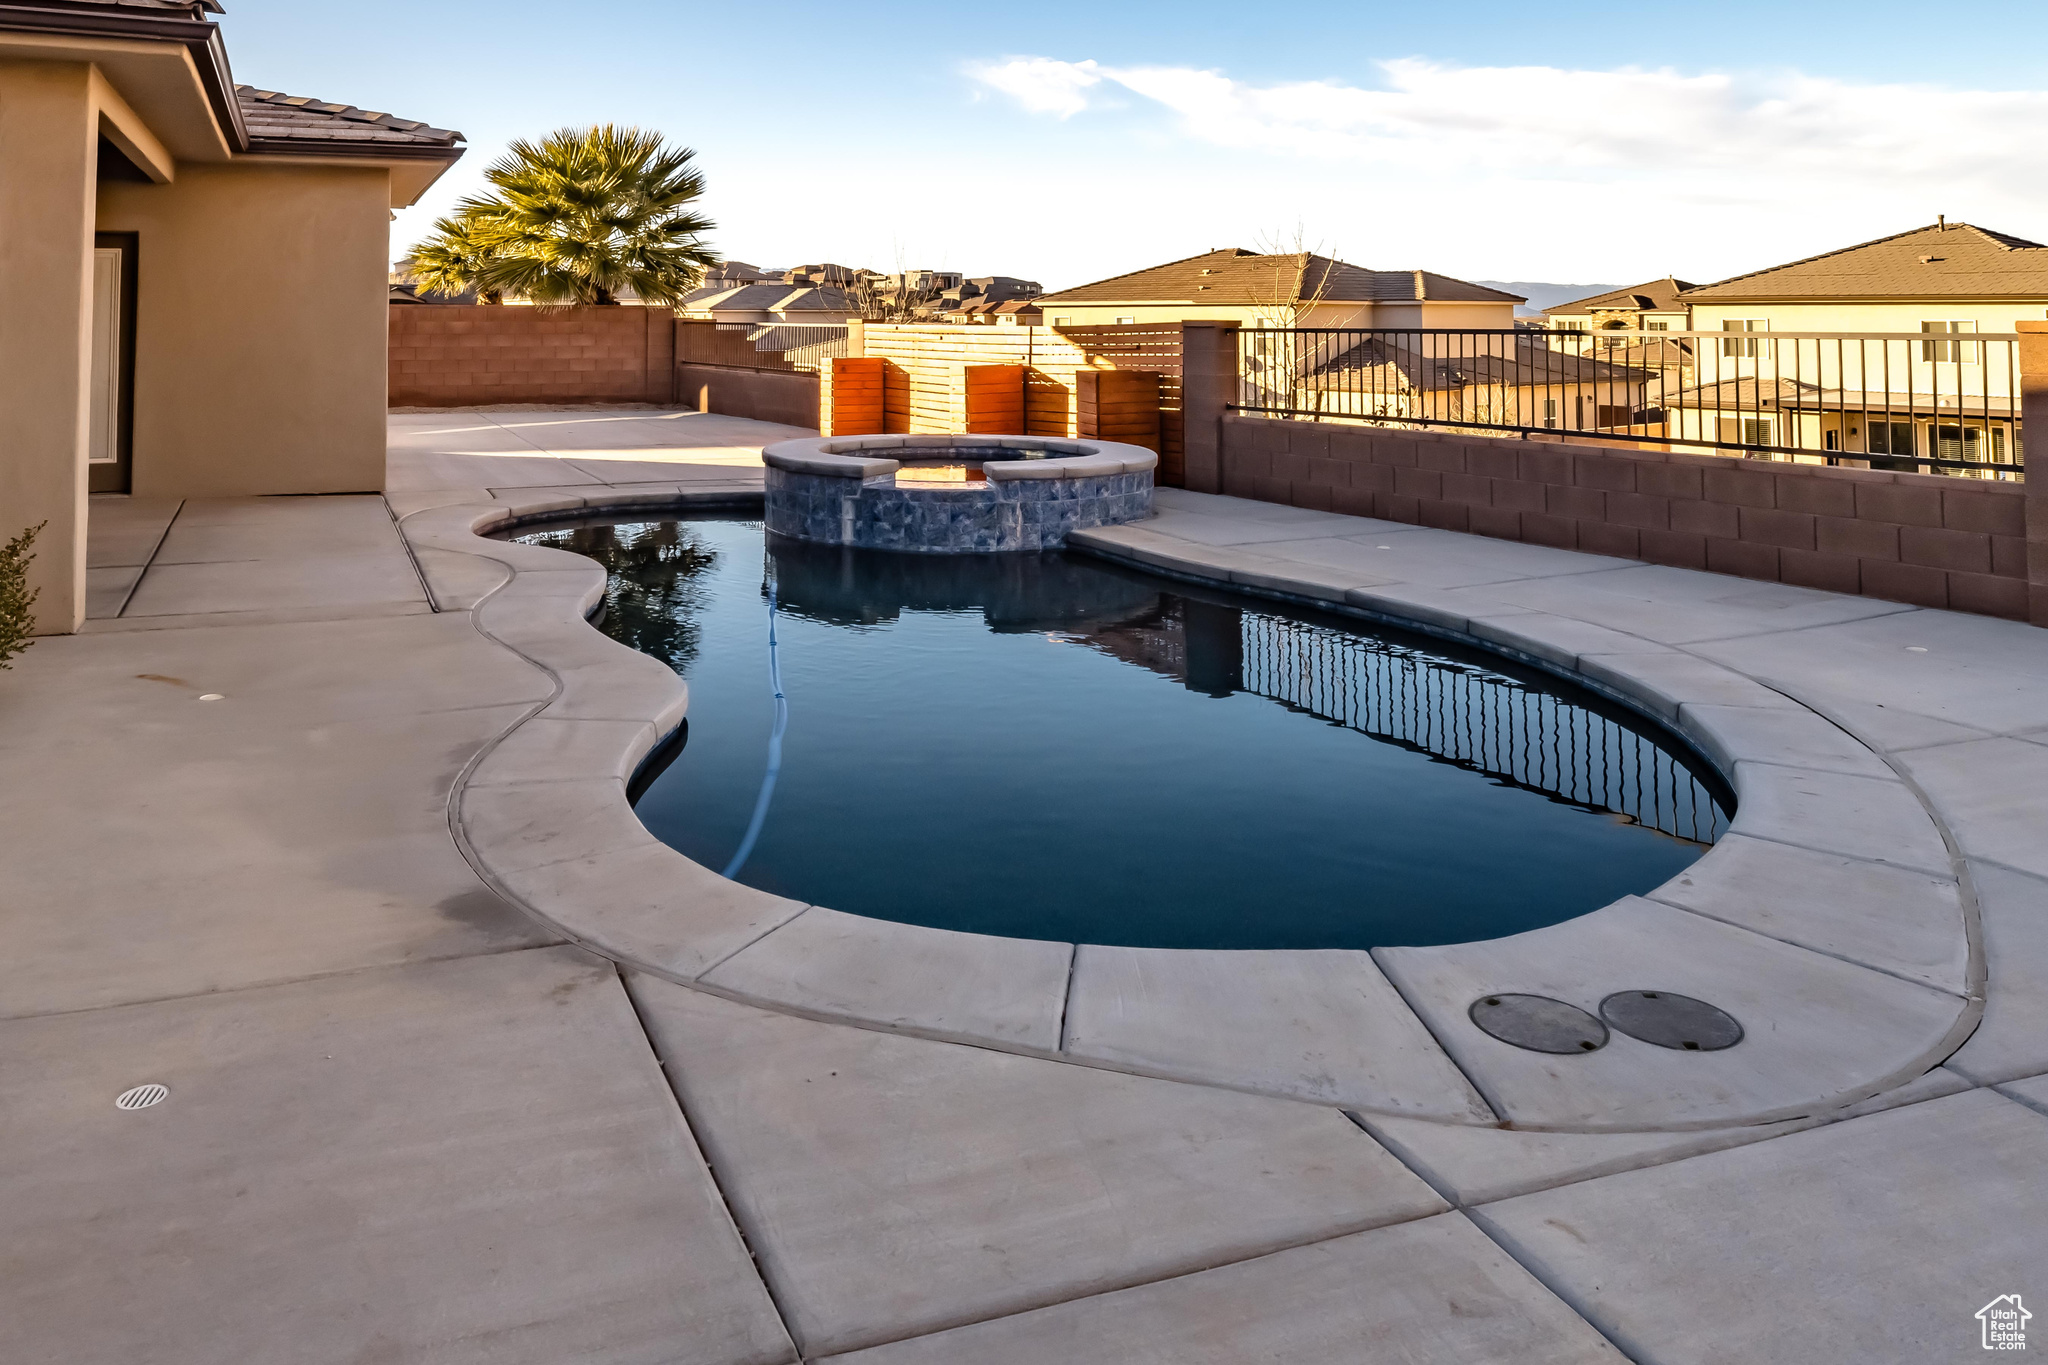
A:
(543, 815)
(1063, 458)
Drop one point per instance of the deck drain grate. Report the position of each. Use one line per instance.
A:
(1538, 1023)
(142, 1096)
(1667, 1019)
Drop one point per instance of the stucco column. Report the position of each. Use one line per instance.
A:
(1208, 379)
(48, 144)
(2034, 451)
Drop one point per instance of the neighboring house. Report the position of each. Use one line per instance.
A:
(1654, 306)
(1285, 290)
(1941, 278)
(921, 283)
(825, 274)
(195, 273)
(730, 274)
(1017, 313)
(1925, 393)
(975, 300)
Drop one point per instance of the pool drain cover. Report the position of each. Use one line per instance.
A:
(1668, 1020)
(1538, 1023)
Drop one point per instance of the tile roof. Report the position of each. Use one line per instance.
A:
(191, 8)
(1379, 365)
(1941, 260)
(297, 123)
(1236, 276)
(1655, 295)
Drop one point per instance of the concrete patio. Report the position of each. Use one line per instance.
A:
(317, 823)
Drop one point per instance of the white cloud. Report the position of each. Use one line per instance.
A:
(1632, 149)
(1040, 84)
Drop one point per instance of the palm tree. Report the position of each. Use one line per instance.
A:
(580, 217)
(453, 259)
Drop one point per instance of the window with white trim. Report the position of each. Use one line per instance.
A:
(1949, 352)
(1745, 348)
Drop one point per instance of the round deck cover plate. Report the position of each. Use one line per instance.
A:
(1538, 1023)
(1670, 1020)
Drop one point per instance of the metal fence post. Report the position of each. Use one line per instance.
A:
(1208, 385)
(2033, 348)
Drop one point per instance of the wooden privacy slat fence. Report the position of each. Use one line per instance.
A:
(854, 406)
(1118, 405)
(992, 399)
(930, 372)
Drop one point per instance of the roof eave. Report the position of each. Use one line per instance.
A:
(361, 150)
(201, 38)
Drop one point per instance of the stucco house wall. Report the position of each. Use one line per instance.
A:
(260, 328)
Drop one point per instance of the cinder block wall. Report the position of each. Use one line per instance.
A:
(764, 395)
(1926, 539)
(458, 355)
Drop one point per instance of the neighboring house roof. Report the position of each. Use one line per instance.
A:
(1738, 394)
(1234, 276)
(410, 293)
(1940, 261)
(1377, 365)
(1662, 353)
(299, 125)
(747, 297)
(773, 298)
(827, 299)
(1653, 296)
(739, 272)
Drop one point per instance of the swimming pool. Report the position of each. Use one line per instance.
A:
(1049, 746)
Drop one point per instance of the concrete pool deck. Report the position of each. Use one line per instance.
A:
(408, 1122)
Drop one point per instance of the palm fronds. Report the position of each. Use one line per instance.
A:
(582, 216)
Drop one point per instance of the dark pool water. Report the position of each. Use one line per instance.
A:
(1050, 746)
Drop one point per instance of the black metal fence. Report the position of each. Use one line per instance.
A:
(1488, 722)
(1933, 400)
(759, 345)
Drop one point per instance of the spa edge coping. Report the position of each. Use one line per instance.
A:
(543, 816)
(834, 457)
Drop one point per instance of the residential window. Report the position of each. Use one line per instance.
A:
(1967, 443)
(1126, 322)
(1746, 431)
(1949, 352)
(1567, 325)
(1657, 325)
(1062, 322)
(1891, 438)
(1550, 412)
(1746, 348)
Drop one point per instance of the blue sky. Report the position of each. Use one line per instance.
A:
(1066, 142)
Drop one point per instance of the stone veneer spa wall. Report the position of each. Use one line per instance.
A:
(953, 494)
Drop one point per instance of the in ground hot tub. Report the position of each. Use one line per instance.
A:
(953, 494)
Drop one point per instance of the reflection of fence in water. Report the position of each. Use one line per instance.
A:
(1478, 720)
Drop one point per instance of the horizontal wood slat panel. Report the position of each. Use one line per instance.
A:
(933, 371)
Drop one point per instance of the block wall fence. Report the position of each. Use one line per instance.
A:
(1931, 540)
(453, 355)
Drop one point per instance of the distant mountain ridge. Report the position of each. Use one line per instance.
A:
(1544, 294)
